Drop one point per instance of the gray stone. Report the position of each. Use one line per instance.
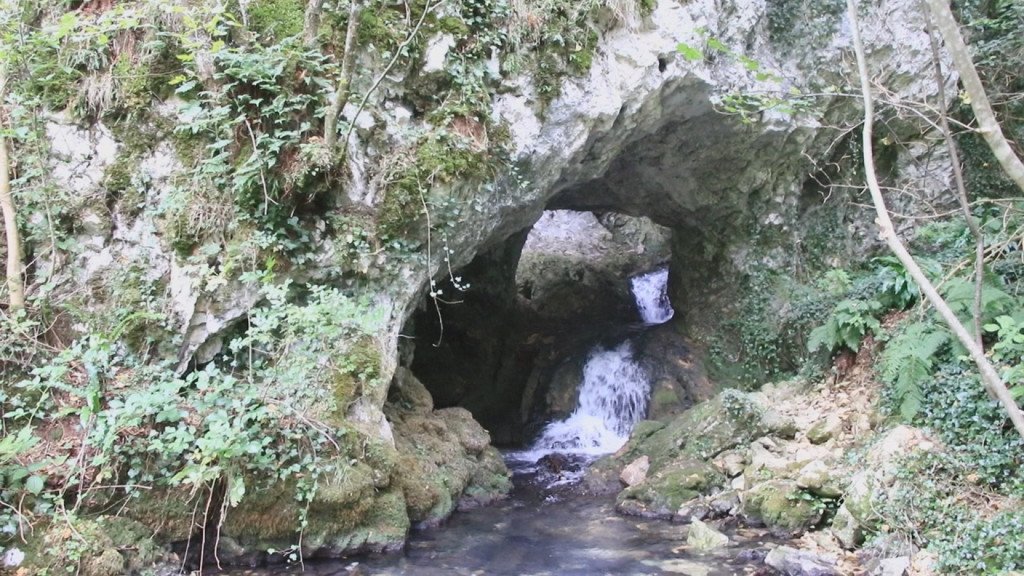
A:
(825, 430)
(731, 462)
(726, 503)
(703, 538)
(816, 478)
(892, 567)
(636, 471)
(793, 562)
(846, 529)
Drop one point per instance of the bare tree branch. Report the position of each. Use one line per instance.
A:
(987, 124)
(311, 25)
(989, 377)
(961, 189)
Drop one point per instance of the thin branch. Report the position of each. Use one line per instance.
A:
(387, 70)
(961, 189)
(15, 283)
(990, 379)
(987, 123)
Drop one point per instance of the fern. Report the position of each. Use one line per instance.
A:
(848, 324)
(907, 362)
(959, 294)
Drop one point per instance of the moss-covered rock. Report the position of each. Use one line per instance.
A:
(441, 454)
(783, 506)
(662, 493)
(444, 456)
(102, 546)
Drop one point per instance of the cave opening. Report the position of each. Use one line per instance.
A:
(513, 347)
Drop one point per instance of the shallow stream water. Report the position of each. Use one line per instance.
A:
(529, 534)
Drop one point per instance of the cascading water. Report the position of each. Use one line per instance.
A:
(612, 399)
(651, 293)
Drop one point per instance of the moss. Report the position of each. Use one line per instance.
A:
(440, 157)
(454, 26)
(798, 22)
(276, 19)
(358, 371)
(783, 506)
(165, 512)
(581, 56)
(102, 546)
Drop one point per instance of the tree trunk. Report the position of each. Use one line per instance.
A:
(15, 285)
(341, 91)
(989, 377)
(311, 28)
(987, 124)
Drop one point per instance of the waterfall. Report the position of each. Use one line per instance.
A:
(651, 293)
(612, 399)
(615, 391)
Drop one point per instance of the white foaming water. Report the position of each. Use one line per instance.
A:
(612, 399)
(651, 293)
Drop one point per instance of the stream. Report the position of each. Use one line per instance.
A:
(546, 527)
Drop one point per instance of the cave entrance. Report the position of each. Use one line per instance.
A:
(512, 348)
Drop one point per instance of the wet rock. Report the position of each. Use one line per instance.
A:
(555, 462)
(751, 556)
(825, 430)
(695, 509)
(666, 490)
(703, 538)
(793, 562)
(726, 504)
(675, 366)
(636, 471)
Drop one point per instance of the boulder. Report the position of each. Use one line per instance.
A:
(826, 429)
(793, 562)
(636, 471)
(703, 538)
(816, 478)
(782, 506)
(847, 529)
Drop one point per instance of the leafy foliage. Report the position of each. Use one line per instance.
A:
(908, 361)
(848, 324)
(897, 288)
(270, 415)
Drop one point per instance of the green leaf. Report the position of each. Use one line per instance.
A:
(35, 484)
(236, 491)
(689, 52)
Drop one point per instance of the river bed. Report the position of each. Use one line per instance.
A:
(533, 534)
